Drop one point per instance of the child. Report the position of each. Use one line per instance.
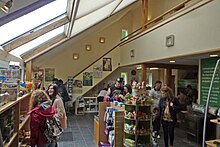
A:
(40, 106)
(155, 122)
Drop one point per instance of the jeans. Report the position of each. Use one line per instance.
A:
(168, 129)
(156, 124)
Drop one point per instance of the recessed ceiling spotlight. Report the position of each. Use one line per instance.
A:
(213, 55)
(172, 61)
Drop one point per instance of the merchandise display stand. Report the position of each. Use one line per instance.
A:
(137, 124)
(17, 110)
(99, 125)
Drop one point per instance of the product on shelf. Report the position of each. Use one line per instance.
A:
(137, 118)
(7, 124)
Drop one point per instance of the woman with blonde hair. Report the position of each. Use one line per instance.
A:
(168, 108)
(40, 109)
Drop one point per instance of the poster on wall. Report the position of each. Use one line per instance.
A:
(97, 71)
(77, 86)
(38, 75)
(49, 74)
(87, 78)
(107, 64)
(206, 72)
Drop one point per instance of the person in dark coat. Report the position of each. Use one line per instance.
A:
(40, 109)
(169, 106)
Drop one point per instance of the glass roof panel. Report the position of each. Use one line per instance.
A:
(123, 4)
(31, 20)
(36, 42)
(93, 18)
(93, 5)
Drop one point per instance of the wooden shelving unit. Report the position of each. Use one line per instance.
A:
(20, 105)
(99, 135)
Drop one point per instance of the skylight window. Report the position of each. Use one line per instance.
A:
(32, 20)
(36, 42)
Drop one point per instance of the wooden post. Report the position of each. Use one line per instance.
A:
(168, 76)
(143, 73)
(144, 13)
(28, 70)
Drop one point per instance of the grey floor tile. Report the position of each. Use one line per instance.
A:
(67, 136)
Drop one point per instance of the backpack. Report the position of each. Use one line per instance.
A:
(53, 129)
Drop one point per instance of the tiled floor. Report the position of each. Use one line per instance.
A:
(80, 134)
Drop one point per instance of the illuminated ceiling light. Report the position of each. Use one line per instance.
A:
(138, 67)
(172, 61)
(75, 56)
(213, 55)
(154, 68)
(102, 39)
(7, 6)
(88, 47)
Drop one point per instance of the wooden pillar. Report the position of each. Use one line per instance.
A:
(168, 76)
(144, 13)
(28, 70)
(143, 73)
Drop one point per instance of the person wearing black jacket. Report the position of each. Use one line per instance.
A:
(169, 106)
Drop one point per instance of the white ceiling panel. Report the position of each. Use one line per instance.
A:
(89, 6)
(93, 18)
(124, 4)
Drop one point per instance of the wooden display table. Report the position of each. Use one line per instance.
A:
(210, 143)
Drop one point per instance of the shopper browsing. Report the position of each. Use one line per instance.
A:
(40, 109)
(156, 95)
(57, 104)
(168, 108)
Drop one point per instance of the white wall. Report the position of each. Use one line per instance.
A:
(194, 32)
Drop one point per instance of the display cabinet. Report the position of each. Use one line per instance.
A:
(137, 125)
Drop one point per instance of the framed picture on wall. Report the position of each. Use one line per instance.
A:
(38, 75)
(107, 64)
(87, 78)
(49, 74)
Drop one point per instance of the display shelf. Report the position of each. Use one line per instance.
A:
(18, 106)
(139, 122)
(211, 143)
(11, 141)
(80, 106)
(118, 124)
(91, 104)
(21, 125)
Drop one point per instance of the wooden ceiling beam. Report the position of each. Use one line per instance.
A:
(33, 35)
(41, 49)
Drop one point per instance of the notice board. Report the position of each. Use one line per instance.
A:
(206, 71)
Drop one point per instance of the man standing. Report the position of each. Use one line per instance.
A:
(156, 95)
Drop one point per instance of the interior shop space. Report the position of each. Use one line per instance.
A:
(128, 73)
